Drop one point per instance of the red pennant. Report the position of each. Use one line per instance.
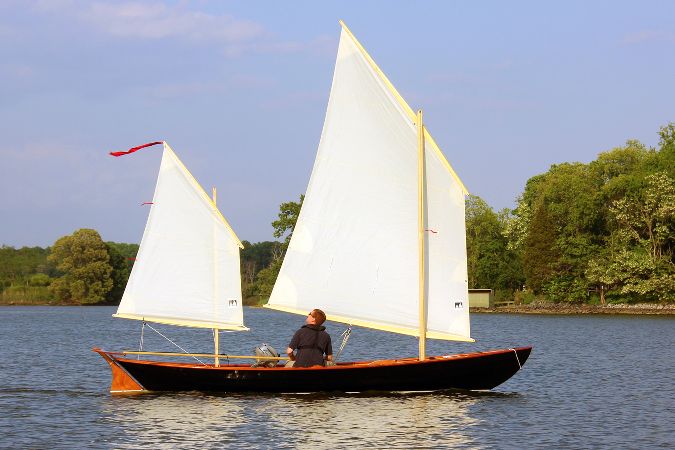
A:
(135, 149)
(147, 203)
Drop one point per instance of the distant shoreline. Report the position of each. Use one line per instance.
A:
(569, 309)
(550, 309)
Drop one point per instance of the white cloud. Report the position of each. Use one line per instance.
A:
(640, 37)
(153, 20)
(248, 81)
(173, 90)
(157, 20)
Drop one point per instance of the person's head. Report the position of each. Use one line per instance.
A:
(318, 317)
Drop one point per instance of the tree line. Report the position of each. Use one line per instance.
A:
(78, 269)
(602, 231)
(83, 269)
(597, 232)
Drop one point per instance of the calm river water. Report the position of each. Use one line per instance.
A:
(591, 382)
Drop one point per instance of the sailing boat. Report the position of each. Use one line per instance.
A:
(379, 243)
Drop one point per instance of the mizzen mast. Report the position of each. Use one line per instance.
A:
(216, 331)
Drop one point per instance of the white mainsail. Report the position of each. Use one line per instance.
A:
(354, 250)
(187, 268)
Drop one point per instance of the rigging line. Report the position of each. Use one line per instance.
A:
(517, 359)
(345, 337)
(140, 345)
(184, 351)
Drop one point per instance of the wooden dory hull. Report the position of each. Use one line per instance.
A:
(472, 371)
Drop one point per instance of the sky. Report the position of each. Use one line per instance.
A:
(239, 90)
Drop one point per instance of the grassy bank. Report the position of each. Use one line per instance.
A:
(571, 309)
(27, 295)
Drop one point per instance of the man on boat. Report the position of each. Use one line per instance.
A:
(311, 342)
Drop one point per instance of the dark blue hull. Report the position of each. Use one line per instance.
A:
(471, 371)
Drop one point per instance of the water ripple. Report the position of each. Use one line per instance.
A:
(591, 382)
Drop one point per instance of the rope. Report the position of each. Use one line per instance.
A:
(140, 345)
(182, 349)
(517, 359)
(345, 337)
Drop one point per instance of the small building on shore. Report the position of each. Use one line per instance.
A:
(481, 298)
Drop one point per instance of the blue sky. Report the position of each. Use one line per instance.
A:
(239, 90)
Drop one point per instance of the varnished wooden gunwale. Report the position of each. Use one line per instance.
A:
(338, 366)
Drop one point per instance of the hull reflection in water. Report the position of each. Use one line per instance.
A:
(471, 371)
(274, 421)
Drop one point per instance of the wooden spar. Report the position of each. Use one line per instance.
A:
(421, 181)
(216, 331)
(207, 355)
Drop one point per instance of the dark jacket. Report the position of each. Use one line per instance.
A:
(312, 342)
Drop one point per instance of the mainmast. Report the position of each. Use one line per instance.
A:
(216, 331)
(421, 181)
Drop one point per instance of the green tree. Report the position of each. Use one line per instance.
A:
(18, 265)
(517, 223)
(539, 253)
(254, 259)
(40, 279)
(557, 227)
(619, 171)
(288, 216)
(120, 269)
(284, 225)
(639, 258)
(84, 261)
(490, 263)
(267, 277)
(665, 160)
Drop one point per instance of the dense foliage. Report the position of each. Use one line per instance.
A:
(25, 274)
(83, 260)
(78, 269)
(490, 261)
(257, 288)
(604, 229)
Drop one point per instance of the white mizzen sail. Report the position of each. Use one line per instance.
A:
(354, 250)
(187, 268)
